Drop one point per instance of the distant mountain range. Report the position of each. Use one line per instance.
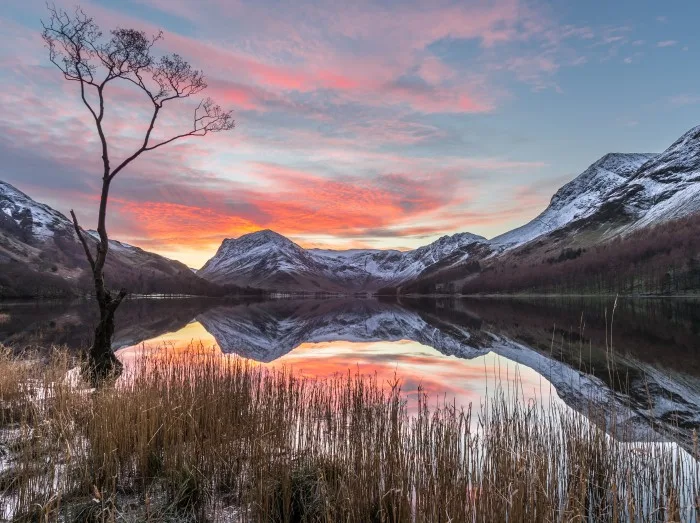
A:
(269, 260)
(616, 196)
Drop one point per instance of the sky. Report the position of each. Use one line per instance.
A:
(358, 124)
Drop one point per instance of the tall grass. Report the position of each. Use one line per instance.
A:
(205, 439)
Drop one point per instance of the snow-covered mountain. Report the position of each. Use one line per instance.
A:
(579, 198)
(665, 187)
(622, 192)
(40, 255)
(266, 259)
(32, 221)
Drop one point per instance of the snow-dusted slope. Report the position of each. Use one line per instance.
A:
(392, 266)
(34, 221)
(664, 188)
(579, 198)
(40, 255)
(267, 259)
(625, 191)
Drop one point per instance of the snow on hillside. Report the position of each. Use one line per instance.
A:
(40, 220)
(579, 198)
(667, 186)
(114, 245)
(265, 253)
(256, 254)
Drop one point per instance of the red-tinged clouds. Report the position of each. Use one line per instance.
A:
(354, 122)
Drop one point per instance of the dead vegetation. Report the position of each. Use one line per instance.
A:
(196, 438)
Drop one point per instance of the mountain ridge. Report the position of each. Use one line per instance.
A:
(610, 197)
(270, 260)
(616, 195)
(41, 256)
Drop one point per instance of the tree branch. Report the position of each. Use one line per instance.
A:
(178, 137)
(82, 239)
(116, 301)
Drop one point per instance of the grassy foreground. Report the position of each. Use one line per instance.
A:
(206, 439)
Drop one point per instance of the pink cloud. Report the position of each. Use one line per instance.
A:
(328, 95)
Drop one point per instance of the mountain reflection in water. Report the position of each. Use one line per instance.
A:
(415, 366)
(648, 380)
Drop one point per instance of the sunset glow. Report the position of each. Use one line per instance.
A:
(377, 125)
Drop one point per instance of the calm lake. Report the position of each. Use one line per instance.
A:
(639, 357)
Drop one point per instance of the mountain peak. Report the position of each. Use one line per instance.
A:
(691, 134)
(257, 239)
(460, 237)
(579, 198)
(263, 235)
(10, 191)
(622, 164)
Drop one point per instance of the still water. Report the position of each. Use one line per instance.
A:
(640, 356)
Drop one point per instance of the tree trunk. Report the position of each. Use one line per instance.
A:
(102, 362)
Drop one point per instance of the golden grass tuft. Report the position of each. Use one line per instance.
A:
(206, 439)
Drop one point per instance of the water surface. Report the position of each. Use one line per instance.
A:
(635, 360)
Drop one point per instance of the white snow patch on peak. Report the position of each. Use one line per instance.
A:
(259, 237)
(667, 186)
(114, 244)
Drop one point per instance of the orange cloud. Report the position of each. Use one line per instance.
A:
(296, 203)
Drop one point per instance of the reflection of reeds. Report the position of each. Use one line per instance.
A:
(206, 438)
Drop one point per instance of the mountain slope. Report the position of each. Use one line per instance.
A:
(266, 259)
(664, 188)
(40, 255)
(596, 236)
(579, 198)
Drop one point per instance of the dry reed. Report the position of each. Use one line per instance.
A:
(205, 439)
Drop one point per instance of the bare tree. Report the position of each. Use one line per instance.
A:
(79, 50)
